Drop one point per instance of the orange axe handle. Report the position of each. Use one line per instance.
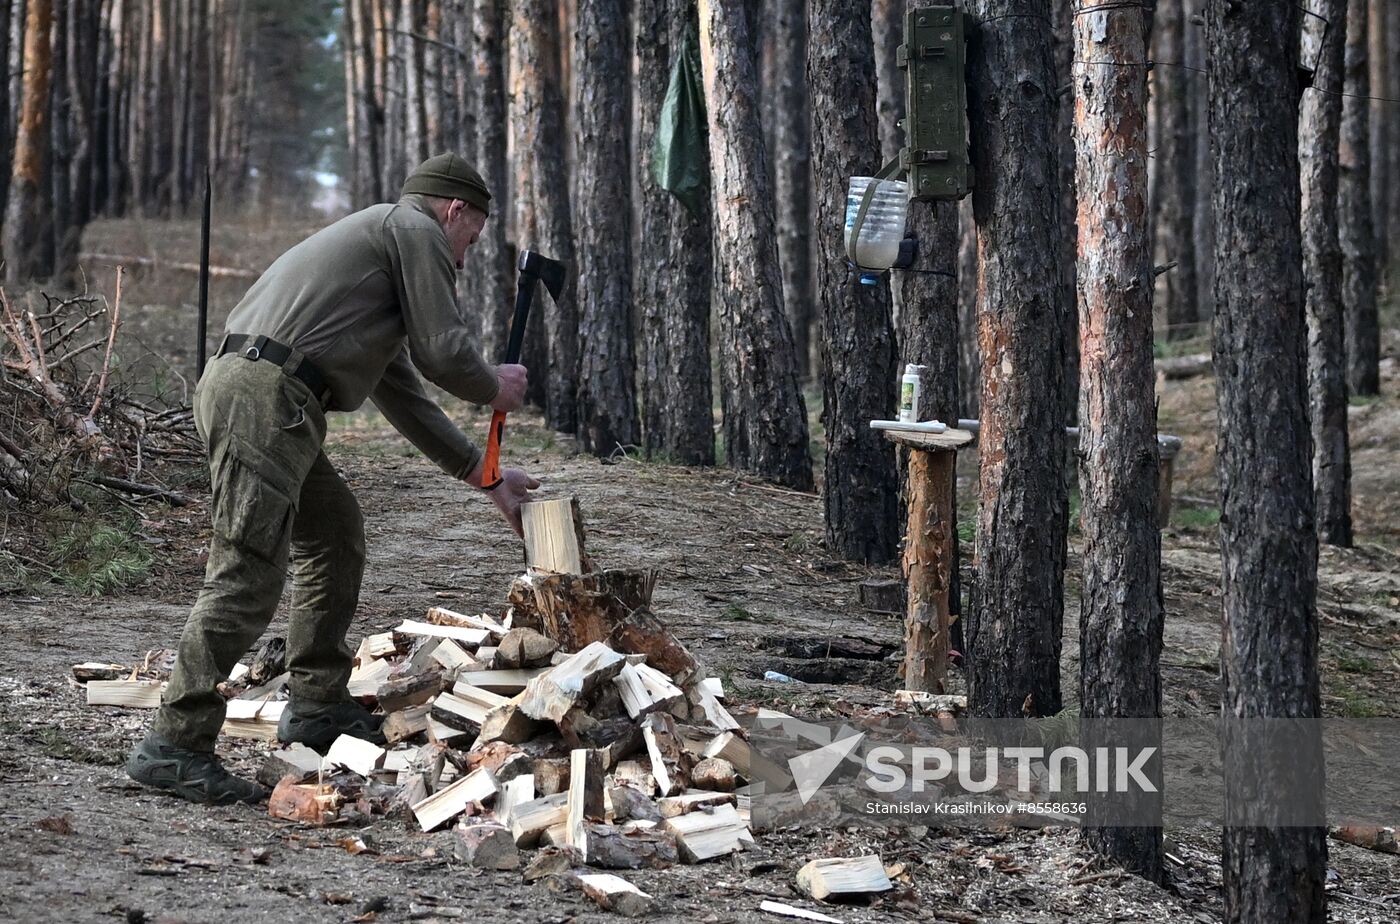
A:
(491, 465)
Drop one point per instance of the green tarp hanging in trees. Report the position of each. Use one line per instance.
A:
(680, 157)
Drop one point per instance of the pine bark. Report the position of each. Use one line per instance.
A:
(607, 400)
(1358, 233)
(543, 219)
(928, 323)
(1203, 224)
(1390, 125)
(673, 267)
(887, 33)
(1382, 61)
(765, 419)
(969, 351)
(1121, 610)
(1063, 20)
(6, 129)
(858, 362)
(1013, 634)
(792, 178)
(1268, 541)
(492, 286)
(1319, 139)
(23, 245)
(1176, 172)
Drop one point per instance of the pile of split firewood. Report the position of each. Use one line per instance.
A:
(576, 724)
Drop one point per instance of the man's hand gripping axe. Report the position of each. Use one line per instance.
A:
(533, 268)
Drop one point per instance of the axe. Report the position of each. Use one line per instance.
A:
(533, 267)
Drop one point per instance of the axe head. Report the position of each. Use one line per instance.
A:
(550, 272)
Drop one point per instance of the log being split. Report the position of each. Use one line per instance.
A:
(554, 536)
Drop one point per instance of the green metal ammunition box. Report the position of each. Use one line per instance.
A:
(935, 125)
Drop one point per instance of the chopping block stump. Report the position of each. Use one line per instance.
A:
(929, 556)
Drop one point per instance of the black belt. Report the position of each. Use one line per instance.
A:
(291, 360)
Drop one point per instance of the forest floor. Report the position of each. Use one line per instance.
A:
(741, 565)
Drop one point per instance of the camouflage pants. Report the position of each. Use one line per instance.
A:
(276, 498)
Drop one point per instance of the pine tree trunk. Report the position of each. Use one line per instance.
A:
(6, 128)
(1390, 126)
(1063, 19)
(765, 419)
(792, 178)
(1358, 235)
(1382, 60)
(542, 217)
(23, 246)
(1013, 634)
(415, 91)
(969, 351)
(460, 134)
(887, 33)
(57, 207)
(1320, 135)
(1268, 542)
(1177, 172)
(929, 320)
(858, 381)
(607, 400)
(673, 266)
(82, 80)
(1203, 224)
(492, 286)
(1121, 612)
(433, 67)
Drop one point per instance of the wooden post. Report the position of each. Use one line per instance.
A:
(929, 556)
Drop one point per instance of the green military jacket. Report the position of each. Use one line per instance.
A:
(368, 300)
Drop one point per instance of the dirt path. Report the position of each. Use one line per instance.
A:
(739, 564)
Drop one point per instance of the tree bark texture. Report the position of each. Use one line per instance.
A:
(792, 186)
(1382, 60)
(1063, 20)
(1319, 138)
(765, 419)
(607, 400)
(23, 251)
(969, 352)
(1358, 234)
(930, 565)
(7, 130)
(1268, 541)
(887, 33)
(492, 286)
(1390, 126)
(673, 266)
(1175, 197)
(1121, 610)
(1013, 634)
(1203, 223)
(543, 220)
(858, 361)
(928, 320)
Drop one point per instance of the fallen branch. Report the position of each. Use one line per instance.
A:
(173, 498)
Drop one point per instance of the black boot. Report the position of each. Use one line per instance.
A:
(317, 724)
(194, 775)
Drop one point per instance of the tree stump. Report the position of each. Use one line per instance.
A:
(929, 553)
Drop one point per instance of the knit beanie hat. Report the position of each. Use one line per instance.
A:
(450, 177)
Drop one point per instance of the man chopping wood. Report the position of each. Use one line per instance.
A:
(355, 311)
